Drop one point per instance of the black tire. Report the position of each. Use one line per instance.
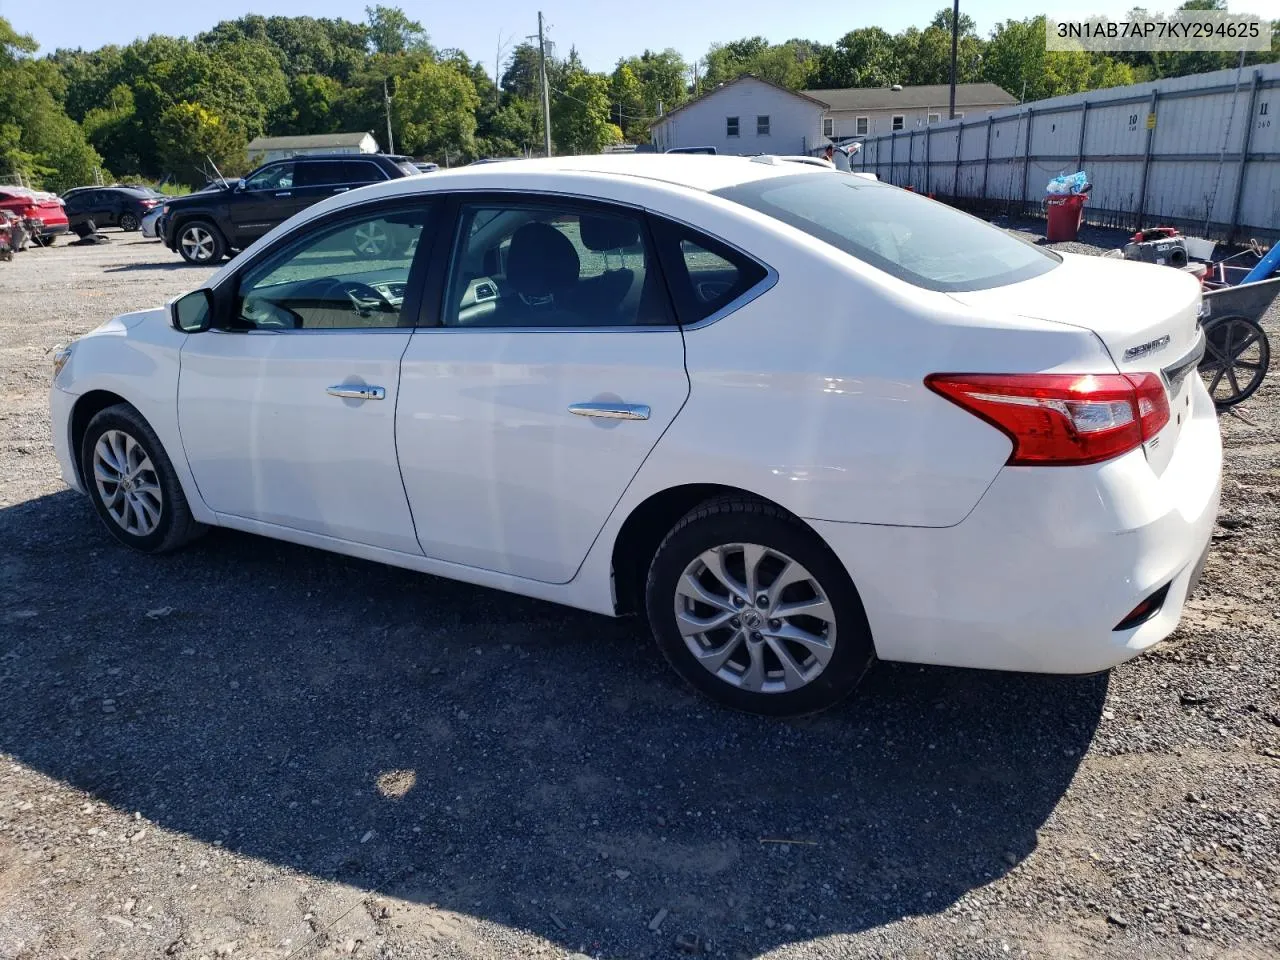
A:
(44, 241)
(129, 222)
(741, 520)
(200, 242)
(1223, 337)
(175, 525)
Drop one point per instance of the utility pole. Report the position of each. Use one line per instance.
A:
(546, 94)
(955, 43)
(386, 99)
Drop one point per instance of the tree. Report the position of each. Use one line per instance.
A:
(436, 109)
(192, 140)
(391, 31)
(580, 115)
(313, 99)
(865, 57)
(627, 107)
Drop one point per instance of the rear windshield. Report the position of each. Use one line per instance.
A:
(908, 236)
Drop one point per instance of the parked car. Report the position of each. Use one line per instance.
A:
(423, 166)
(115, 206)
(205, 226)
(43, 210)
(799, 418)
(150, 225)
(707, 150)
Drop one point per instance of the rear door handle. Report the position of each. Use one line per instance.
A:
(357, 391)
(284, 193)
(611, 411)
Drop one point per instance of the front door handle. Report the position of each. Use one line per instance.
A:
(357, 391)
(285, 193)
(611, 411)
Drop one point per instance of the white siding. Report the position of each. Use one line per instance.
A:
(881, 121)
(795, 124)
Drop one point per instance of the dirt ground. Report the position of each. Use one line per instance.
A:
(256, 750)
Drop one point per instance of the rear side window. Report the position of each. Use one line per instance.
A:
(318, 173)
(362, 171)
(925, 243)
(704, 275)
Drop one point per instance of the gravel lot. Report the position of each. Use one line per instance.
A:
(251, 749)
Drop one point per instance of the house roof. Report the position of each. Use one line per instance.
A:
(729, 83)
(316, 141)
(886, 98)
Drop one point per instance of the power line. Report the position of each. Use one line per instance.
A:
(612, 112)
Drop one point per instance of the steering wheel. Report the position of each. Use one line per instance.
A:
(364, 298)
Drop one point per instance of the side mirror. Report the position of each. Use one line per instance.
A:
(240, 185)
(194, 312)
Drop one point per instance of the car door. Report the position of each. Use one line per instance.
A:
(266, 201)
(287, 407)
(550, 371)
(313, 180)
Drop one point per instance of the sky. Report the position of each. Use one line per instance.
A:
(603, 31)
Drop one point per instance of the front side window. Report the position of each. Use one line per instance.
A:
(899, 122)
(861, 126)
(907, 236)
(553, 265)
(730, 126)
(348, 274)
(276, 176)
(762, 125)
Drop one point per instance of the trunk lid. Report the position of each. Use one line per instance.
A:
(1147, 317)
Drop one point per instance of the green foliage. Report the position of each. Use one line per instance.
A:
(195, 143)
(436, 109)
(580, 117)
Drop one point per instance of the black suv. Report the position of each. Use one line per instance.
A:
(117, 206)
(206, 226)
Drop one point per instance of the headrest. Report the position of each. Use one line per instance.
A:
(608, 233)
(541, 261)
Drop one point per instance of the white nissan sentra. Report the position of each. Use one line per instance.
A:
(796, 418)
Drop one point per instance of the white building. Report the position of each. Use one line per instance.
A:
(263, 149)
(748, 115)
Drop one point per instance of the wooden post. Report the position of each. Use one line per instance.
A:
(1084, 119)
(1146, 159)
(955, 178)
(1244, 157)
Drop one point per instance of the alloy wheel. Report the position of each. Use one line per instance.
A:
(197, 244)
(128, 223)
(371, 240)
(755, 618)
(127, 483)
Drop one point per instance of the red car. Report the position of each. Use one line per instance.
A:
(43, 208)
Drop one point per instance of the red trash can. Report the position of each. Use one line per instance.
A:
(1066, 213)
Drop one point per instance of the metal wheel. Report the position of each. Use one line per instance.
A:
(755, 618)
(371, 240)
(128, 222)
(127, 483)
(198, 243)
(1237, 354)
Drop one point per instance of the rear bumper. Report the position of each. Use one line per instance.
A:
(53, 229)
(1047, 564)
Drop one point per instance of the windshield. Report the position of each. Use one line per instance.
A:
(908, 236)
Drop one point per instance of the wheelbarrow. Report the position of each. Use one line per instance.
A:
(1237, 351)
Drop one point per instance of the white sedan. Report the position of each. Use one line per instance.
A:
(798, 419)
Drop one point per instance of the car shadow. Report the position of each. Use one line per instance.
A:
(501, 757)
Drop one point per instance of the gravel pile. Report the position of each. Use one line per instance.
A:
(254, 750)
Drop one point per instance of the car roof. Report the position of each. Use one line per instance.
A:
(696, 171)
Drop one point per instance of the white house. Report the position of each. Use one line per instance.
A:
(748, 115)
(868, 111)
(262, 149)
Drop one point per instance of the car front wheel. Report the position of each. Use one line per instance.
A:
(201, 243)
(754, 610)
(132, 483)
(128, 222)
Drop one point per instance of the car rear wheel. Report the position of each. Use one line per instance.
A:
(373, 240)
(200, 242)
(132, 483)
(129, 222)
(43, 241)
(755, 611)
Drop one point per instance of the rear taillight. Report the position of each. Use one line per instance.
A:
(1057, 419)
(148, 204)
